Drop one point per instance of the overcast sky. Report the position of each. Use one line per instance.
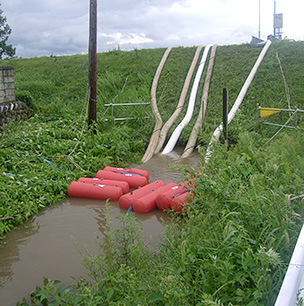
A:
(42, 27)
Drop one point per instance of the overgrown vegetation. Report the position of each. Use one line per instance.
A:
(231, 247)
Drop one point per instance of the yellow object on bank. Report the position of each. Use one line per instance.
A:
(266, 112)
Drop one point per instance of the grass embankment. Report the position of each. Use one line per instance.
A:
(232, 247)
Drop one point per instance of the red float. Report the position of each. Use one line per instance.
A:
(91, 191)
(178, 202)
(163, 200)
(141, 172)
(133, 180)
(123, 185)
(146, 203)
(127, 200)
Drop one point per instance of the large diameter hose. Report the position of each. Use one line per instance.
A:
(158, 124)
(193, 136)
(182, 98)
(217, 133)
(174, 137)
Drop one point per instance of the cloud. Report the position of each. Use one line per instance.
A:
(125, 39)
(61, 26)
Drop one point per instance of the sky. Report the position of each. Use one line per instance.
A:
(61, 27)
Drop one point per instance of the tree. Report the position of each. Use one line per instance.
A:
(5, 30)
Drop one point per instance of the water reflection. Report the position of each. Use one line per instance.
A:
(10, 253)
(151, 222)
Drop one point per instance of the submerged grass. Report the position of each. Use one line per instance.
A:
(233, 245)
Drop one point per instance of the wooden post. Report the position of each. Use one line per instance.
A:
(225, 115)
(92, 66)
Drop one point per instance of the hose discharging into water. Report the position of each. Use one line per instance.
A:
(158, 124)
(179, 107)
(175, 135)
(217, 133)
(201, 116)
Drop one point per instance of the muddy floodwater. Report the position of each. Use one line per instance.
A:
(46, 245)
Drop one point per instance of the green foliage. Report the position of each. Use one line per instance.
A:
(231, 247)
(246, 221)
(5, 31)
(25, 147)
(25, 97)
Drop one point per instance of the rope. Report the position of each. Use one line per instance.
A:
(181, 193)
(285, 82)
(281, 127)
(83, 125)
(7, 174)
(6, 218)
(75, 164)
(123, 88)
(73, 125)
(292, 197)
(126, 172)
(130, 208)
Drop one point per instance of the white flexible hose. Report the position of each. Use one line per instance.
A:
(217, 133)
(293, 281)
(174, 137)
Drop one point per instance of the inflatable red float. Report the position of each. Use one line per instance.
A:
(114, 183)
(123, 185)
(127, 200)
(147, 203)
(163, 200)
(178, 202)
(91, 191)
(141, 172)
(133, 180)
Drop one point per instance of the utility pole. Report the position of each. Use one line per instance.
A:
(92, 66)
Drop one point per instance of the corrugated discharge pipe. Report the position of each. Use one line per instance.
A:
(182, 98)
(159, 122)
(217, 133)
(174, 137)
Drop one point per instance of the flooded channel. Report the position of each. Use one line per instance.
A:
(46, 244)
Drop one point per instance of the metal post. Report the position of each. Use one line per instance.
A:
(112, 110)
(296, 118)
(92, 66)
(274, 12)
(225, 115)
(259, 18)
(112, 113)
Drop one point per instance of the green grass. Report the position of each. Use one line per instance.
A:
(232, 246)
